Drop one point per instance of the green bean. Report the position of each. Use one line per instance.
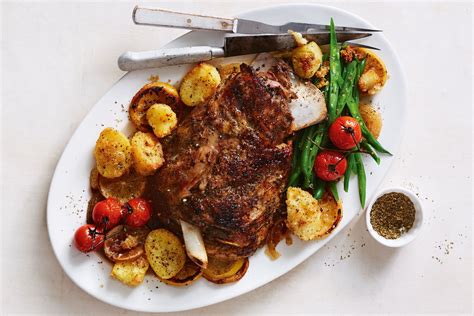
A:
(303, 134)
(319, 186)
(355, 89)
(347, 174)
(370, 150)
(334, 73)
(315, 140)
(326, 93)
(295, 165)
(333, 189)
(304, 162)
(325, 57)
(347, 87)
(361, 178)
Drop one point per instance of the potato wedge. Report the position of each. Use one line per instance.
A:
(165, 252)
(306, 60)
(162, 119)
(374, 75)
(221, 272)
(125, 188)
(187, 275)
(112, 153)
(149, 94)
(309, 218)
(372, 119)
(199, 84)
(147, 153)
(131, 273)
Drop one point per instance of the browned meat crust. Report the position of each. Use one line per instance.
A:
(228, 163)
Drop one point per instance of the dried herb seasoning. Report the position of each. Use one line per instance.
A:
(392, 215)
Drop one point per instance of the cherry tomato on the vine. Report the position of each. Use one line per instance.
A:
(345, 132)
(107, 213)
(88, 237)
(330, 165)
(137, 212)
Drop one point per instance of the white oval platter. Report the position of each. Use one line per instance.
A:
(69, 192)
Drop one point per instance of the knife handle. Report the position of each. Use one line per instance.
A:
(159, 17)
(167, 57)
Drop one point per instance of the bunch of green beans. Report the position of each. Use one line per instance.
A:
(342, 96)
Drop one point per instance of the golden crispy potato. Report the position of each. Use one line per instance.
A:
(374, 75)
(372, 119)
(125, 188)
(165, 252)
(131, 273)
(187, 275)
(221, 272)
(306, 59)
(309, 218)
(199, 84)
(94, 179)
(152, 93)
(112, 153)
(147, 153)
(162, 119)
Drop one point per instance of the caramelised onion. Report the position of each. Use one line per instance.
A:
(194, 244)
(124, 243)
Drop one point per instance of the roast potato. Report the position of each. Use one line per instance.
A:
(165, 252)
(162, 119)
(309, 218)
(125, 188)
(112, 153)
(131, 273)
(221, 272)
(187, 275)
(199, 84)
(306, 60)
(372, 119)
(374, 75)
(147, 153)
(152, 93)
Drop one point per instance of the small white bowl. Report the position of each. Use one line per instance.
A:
(405, 238)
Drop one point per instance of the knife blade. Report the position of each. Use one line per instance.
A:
(241, 45)
(160, 17)
(234, 45)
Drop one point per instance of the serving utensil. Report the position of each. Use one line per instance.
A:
(233, 45)
(166, 18)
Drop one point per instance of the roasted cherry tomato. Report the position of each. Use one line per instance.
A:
(88, 237)
(330, 165)
(345, 132)
(137, 212)
(107, 213)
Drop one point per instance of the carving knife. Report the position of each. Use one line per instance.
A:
(234, 45)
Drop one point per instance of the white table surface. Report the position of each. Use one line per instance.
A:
(59, 59)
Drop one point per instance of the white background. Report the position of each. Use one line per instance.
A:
(58, 59)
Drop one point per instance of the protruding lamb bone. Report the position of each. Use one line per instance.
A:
(194, 243)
